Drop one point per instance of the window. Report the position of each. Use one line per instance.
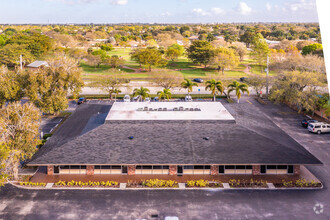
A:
(107, 169)
(72, 169)
(262, 169)
(276, 169)
(290, 169)
(148, 169)
(56, 170)
(236, 169)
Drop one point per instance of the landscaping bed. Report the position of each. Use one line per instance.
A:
(247, 183)
(152, 183)
(298, 184)
(203, 183)
(105, 184)
(31, 184)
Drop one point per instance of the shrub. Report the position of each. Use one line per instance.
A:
(31, 184)
(159, 183)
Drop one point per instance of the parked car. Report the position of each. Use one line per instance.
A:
(188, 98)
(127, 98)
(306, 122)
(156, 99)
(243, 79)
(198, 80)
(81, 100)
(319, 127)
(147, 99)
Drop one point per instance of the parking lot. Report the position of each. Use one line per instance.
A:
(188, 204)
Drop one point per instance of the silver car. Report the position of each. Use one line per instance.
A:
(319, 128)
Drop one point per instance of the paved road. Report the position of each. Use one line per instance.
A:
(189, 204)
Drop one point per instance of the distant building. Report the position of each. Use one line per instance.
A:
(37, 64)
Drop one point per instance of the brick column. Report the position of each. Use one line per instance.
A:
(50, 170)
(90, 169)
(256, 169)
(173, 170)
(131, 169)
(296, 169)
(214, 170)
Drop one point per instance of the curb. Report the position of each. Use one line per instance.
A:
(191, 188)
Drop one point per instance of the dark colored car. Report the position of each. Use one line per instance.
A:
(243, 79)
(198, 80)
(306, 122)
(81, 100)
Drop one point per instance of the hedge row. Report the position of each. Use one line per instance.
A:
(174, 96)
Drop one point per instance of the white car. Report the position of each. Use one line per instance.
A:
(188, 98)
(147, 99)
(319, 127)
(127, 98)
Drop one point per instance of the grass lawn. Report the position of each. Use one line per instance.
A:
(256, 69)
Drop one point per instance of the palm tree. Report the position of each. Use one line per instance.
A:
(166, 94)
(116, 92)
(188, 84)
(238, 88)
(143, 92)
(215, 87)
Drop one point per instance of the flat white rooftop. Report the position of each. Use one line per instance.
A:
(146, 111)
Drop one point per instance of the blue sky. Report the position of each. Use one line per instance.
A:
(157, 11)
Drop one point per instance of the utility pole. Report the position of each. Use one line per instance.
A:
(21, 61)
(267, 72)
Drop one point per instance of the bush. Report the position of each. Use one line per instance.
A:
(299, 183)
(31, 184)
(90, 183)
(197, 183)
(247, 183)
(156, 183)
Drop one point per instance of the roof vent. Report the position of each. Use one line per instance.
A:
(206, 138)
(131, 137)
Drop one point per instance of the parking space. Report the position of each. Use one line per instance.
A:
(49, 124)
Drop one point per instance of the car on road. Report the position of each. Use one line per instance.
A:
(306, 122)
(319, 128)
(127, 98)
(156, 99)
(81, 100)
(198, 80)
(188, 98)
(243, 79)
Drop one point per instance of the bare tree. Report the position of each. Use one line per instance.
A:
(167, 79)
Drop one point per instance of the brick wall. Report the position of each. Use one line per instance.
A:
(90, 170)
(214, 170)
(131, 169)
(173, 170)
(256, 169)
(50, 170)
(296, 169)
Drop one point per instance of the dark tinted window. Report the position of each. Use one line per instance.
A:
(198, 167)
(105, 167)
(282, 167)
(139, 167)
(318, 126)
(207, 167)
(290, 169)
(188, 167)
(271, 167)
(116, 167)
(157, 167)
(75, 167)
(83, 167)
(240, 167)
(147, 167)
(230, 167)
(249, 167)
(166, 167)
(65, 167)
(56, 169)
(262, 169)
(97, 167)
(221, 169)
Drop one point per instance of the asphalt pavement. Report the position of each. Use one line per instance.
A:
(187, 204)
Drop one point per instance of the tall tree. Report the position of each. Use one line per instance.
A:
(11, 88)
(165, 94)
(19, 130)
(148, 57)
(260, 50)
(200, 52)
(239, 88)
(167, 79)
(225, 58)
(188, 84)
(257, 82)
(49, 87)
(215, 87)
(142, 91)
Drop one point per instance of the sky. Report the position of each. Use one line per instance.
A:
(156, 11)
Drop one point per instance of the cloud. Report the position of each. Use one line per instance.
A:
(119, 2)
(200, 11)
(301, 5)
(243, 8)
(217, 11)
(211, 12)
(269, 7)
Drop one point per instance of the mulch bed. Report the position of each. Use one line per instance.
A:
(280, 185)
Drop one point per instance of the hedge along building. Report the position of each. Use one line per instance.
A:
(169, 138)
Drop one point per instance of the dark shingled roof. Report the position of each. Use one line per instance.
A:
(173, 142)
